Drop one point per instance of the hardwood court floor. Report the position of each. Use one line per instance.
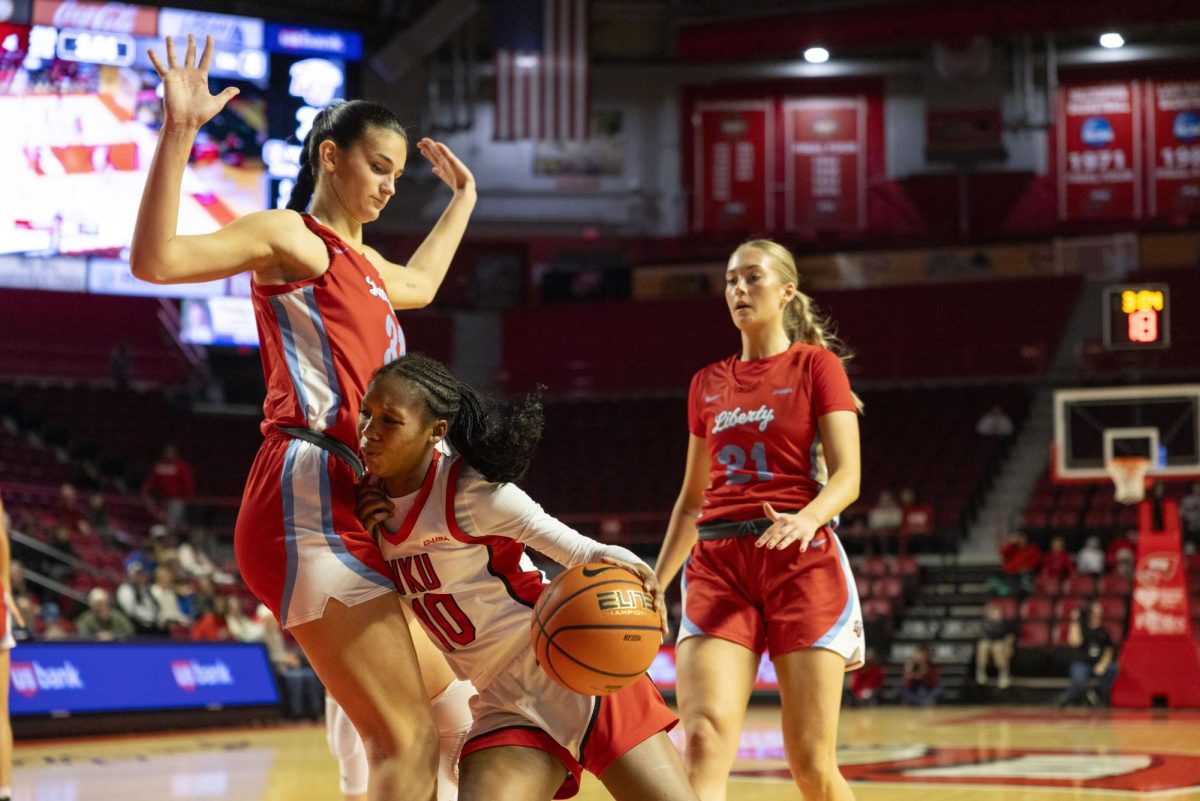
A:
(892, 754)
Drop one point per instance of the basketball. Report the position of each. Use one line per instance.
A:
(595, 629)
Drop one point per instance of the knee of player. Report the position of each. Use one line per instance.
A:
(813, 767)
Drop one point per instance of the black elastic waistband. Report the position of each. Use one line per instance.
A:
(327, 443)
(725, 529)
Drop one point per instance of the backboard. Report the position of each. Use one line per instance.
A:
(1095, 425)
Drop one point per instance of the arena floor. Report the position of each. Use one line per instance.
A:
(892, 754)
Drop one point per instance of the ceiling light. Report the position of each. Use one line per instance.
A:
(816, 55)
(1112, 40)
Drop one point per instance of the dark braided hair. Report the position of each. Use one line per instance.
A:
(497, 443)
(344, 122)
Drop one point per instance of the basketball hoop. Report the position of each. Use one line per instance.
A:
(1129, 477)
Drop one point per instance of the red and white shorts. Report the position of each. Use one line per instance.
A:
(524, 707)
(297, 541)
(773, 600)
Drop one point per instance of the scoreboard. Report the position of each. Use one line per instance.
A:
(1137, 317)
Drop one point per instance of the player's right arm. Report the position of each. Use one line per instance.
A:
(157, 253)
(681, 530)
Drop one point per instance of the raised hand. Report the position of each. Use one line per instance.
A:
(447, 166)
(787, 528)
(186, 98)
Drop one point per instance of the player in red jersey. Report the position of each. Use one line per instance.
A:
(754, 521)
(8, 614)
(323, 304)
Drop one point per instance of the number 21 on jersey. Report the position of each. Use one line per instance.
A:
(734, 459)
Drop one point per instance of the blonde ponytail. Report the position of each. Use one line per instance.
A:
(802, 320)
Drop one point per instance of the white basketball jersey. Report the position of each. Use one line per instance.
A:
(456, 550)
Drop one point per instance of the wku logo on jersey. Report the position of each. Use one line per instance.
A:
(414, 574)
(378, 291)
(762, 416)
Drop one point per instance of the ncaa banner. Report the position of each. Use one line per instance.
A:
(825, 181)
(1173, 145)
(733, 166)
(1099, 151)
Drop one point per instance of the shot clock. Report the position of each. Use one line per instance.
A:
(1137, 317)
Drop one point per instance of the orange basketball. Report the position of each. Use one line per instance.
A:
(595, 629)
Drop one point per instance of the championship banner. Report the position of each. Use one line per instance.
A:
(1173, 145)
(825, 181)
(733, 153)
(1099, 159)
(1158, 659)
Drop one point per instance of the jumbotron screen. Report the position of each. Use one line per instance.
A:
(82, 112)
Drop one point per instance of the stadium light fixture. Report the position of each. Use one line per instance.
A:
(1112, 40)
(816, 55)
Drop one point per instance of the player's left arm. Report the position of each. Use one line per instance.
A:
(413, 285)
(839, 434)
(5, 569)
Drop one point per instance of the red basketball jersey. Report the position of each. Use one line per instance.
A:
(322, 339)
(759, 422)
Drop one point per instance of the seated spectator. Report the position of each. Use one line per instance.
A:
(69, 510)
(1189, 514)
(1095, 658)
(863, 685)
(1057, 563)
(163, 590)
(922, 681)
(1019, 558)
(241, 627)
(916, 518)
(168, 487)
(1090, 559)
(994, 423)
(996, 645)
(1125, 564)
(196, 561)
(135, 599)
(54, 627)
(1122, 543)
(303, 695)
(886, 514)
(100, 621)
(212, 625)
(162, 546)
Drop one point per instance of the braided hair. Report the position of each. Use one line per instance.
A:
(498, 443)
(343, 122)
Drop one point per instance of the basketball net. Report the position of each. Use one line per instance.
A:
(1129, 477)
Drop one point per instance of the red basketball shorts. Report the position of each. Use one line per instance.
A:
(524, 707)
(773, 600)
(297, 541)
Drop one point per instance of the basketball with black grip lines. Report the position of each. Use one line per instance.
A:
(595, 629)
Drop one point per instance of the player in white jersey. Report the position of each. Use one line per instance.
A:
(453, 533)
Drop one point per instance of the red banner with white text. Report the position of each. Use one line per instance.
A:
(1173, 149)
(825, 183)
(733, 151)
(1100, 151)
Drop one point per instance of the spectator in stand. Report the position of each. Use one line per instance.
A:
(1094, 658)
(1090, 559)
(886, 514)
(213, 626)
(303, 695)
(168, 487)
(994, 423)
(101, 621)
(203, 598)
(195, 559)
(1057, 563)
(69, 510)
(922, 681)
(996, 645)
(135, 599)
(241, 627)
(169, 612)
(162, 550)
(863, 685)
(1125, 542)
(1020, 559)
(54, 627)
(1189, 514)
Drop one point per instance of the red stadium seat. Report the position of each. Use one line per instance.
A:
(1047, 586)
(1065, 606)
(1116, 631)
(1114, 608)
(1036, 608)
(1008, 607)
(1079, 584)
(875, 567)
(877, 608)
(906, 566)
(1034, 634)
(1060, 634)
(888, 587)
(1115, 584)
(864, 586)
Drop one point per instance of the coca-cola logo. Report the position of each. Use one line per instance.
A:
(114, 17)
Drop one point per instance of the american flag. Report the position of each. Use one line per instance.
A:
(541, 70)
